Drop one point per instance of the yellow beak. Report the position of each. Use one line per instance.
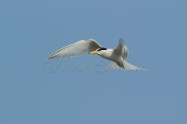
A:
(93, 52)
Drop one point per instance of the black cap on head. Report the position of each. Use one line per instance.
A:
(99, 49)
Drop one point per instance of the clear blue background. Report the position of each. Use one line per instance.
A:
(155, 32)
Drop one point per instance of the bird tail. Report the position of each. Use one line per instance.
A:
(127, 66)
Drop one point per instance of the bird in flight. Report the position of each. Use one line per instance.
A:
(117, 55)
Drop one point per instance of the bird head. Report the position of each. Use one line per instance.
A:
(99, 51)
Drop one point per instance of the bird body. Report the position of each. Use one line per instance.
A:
(110, 55)
(117, 55)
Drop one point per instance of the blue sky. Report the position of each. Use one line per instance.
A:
(154, 31)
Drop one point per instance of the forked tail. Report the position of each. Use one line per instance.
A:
(127, 66)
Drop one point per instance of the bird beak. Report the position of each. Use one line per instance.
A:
(93, 52)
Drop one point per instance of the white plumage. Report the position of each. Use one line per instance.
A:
(117, 55)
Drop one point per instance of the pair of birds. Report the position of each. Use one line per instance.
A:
(117, 55)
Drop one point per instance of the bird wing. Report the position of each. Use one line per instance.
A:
(78, 48)
(118, 50)
(121, 49)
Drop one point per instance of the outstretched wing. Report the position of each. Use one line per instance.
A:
(78, 48)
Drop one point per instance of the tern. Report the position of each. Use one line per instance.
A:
(117, 55)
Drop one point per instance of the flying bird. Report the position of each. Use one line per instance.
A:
(117, 55)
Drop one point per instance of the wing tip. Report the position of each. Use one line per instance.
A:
(52, 56)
